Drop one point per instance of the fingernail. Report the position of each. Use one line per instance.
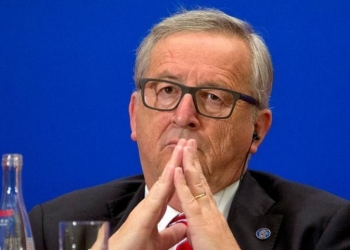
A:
(181, 142)
(192, 143)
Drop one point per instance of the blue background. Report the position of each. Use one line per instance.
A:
(66, 77)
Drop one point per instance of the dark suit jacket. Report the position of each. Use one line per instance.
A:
(299, 217)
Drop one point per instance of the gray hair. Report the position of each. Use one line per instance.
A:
(211, 20)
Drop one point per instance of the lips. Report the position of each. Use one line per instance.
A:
(172, 143)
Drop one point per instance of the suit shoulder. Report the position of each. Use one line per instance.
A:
(294, 193)
(96, 196)
(113, 188)
(91, 203)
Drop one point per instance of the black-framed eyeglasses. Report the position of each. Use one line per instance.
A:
(213, 102)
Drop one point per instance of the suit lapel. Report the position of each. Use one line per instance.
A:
(121, 207)
(248, 214)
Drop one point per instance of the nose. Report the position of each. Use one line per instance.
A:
(186, 114)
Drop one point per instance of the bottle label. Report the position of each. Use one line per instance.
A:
(5, 215)
(5, 224)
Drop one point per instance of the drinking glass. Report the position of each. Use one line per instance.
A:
(83, 235)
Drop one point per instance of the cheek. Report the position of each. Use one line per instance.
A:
(150, 130)
(150, 126)
(231, 139)
(146, 138)
(143, 124)
(224, 140)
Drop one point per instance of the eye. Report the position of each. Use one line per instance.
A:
(213, 97)
(167, 90)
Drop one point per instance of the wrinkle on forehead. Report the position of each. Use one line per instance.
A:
(181, 57)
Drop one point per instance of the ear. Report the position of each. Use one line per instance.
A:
(261, 127)
(133, 105)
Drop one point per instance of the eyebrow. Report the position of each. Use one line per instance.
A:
(206, 84)
(214, 84)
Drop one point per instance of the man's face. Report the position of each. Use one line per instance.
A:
(196, 59)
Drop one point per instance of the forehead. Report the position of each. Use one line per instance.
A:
(199, 57)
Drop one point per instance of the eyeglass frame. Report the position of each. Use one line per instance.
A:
(192, 91)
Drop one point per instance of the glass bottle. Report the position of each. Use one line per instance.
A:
(15, 230)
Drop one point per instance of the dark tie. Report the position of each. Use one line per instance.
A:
(180, 218)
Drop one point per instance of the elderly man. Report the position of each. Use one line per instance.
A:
(200, 110)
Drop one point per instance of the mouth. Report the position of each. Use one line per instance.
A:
(172, 143)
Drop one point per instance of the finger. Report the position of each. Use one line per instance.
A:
(176, 156)
(154, 204)
(195, 178)
(193, 145)
(166, 179)
(163, 189)
(192, 175)
(172, 235)
(187, 201)
(143, 219)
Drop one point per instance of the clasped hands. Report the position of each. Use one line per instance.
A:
(183, 177)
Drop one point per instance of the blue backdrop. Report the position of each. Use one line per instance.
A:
(66, 76)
